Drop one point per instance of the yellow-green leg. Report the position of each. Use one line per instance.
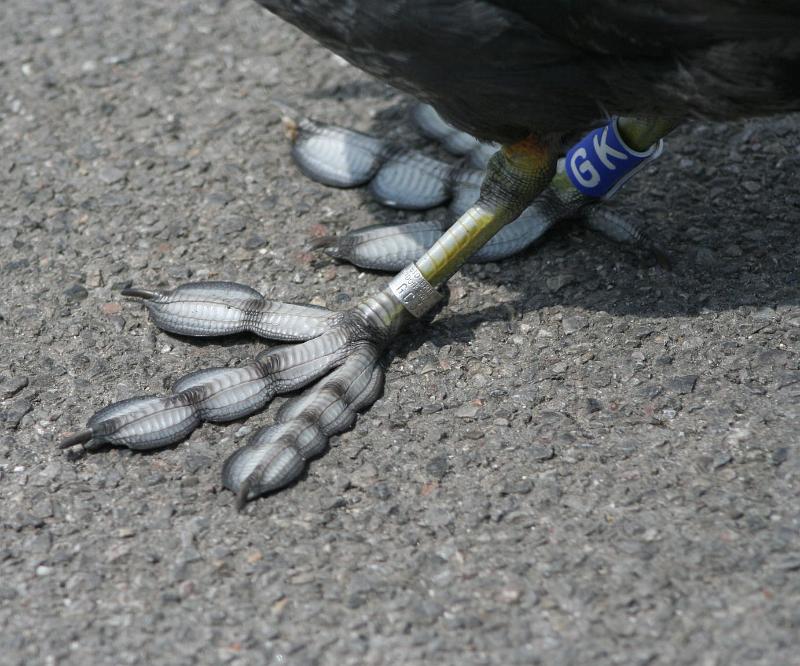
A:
(515, 176)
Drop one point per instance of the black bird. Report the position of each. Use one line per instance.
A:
(528, 75)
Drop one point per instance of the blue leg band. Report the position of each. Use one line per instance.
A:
(600, 163)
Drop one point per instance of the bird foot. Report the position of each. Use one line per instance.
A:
(340, 351)
(410, 180)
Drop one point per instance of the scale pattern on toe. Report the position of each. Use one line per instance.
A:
(391, 247)
(346, 344)
(223, 308)
(397, 177)
(335, 156)
(144, 423)
(277, 454)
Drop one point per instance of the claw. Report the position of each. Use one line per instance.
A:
(144, 294)
(241, 497)
(76, 439)
(288, 115)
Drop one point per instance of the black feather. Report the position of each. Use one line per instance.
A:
(501, 69)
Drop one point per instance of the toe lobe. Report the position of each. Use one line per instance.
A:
(335, 156)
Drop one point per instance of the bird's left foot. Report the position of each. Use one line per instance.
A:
(341, 351)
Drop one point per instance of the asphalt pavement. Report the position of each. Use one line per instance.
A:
(584, 459)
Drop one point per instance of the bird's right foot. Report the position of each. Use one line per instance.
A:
(410, 180)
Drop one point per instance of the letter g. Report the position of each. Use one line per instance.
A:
(584, 172)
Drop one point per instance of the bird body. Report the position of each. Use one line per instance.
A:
(502, 69)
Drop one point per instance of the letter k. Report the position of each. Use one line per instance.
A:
(604, 151)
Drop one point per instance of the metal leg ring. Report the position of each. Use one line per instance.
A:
(412, 290)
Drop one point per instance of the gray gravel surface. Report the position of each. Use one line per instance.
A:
(584, 459)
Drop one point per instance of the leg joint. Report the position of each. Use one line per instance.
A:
(516, 174)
